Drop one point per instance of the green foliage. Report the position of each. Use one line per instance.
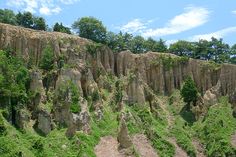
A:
(144, 121)
(13, 79)
(93, 48)
(137, 44)
(60, 28)
(189, 91)
(216, 128)
(39, 23)
(2, 125)
(165, 148)
(26, 19)
(47, 59)
(155, 46)
(169, 61)
(75, 95)
(63, 91)
(182, 136)
(210, 65)
(95, 96)
(90, 28)
(7, 16)
(107, 126)
(182, 48)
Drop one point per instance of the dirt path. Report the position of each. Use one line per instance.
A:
(233, 140)
(107, 147)
(199, 148)
(179, 152)
(143, 146)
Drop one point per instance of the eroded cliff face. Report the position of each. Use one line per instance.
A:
(162, 73)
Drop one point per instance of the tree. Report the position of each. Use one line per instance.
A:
(25, 19)
(215, 50)
(189, 92)
(182, 48)
(119, 42)
(39, 23)
(60, 28)
(90, 28)
(233, 54)
(155, 46)
(7, 16)
(137, 44)
(221, 51)
(13, 79)
(47, 60)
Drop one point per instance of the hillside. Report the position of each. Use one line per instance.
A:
(82, 99)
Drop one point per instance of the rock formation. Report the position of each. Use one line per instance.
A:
(161, 72)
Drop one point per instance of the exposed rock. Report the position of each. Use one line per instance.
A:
(71, 130)
(151, 66)
(44, 122)
(123, 136)
(22, 118)
(108, 147)
(36, 88)
(143, 146)
(80, 121)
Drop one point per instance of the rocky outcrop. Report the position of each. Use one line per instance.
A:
(160, 72)
(44, 122)
(123, 135)
(22, 118)
(36, 89)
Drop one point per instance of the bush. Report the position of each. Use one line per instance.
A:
(93, 48)
(47, 60)
(216, 129)
(2, 125)
(75, 95)
(189, 91)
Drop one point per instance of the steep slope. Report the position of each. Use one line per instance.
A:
(92, 95)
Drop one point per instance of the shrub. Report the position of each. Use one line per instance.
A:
(47, 60)
(93, 48)
(2, 125)
(189, 91)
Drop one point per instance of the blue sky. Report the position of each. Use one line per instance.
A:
(170, 20)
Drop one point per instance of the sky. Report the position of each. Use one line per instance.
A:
(170, 20)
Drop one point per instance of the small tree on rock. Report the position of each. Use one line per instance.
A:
(47, 60)
(189, 92)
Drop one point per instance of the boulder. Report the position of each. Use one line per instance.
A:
(123, 136)
(44, 122)
(22, 118)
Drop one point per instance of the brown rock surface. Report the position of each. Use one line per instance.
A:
(151, 68)
(143, 146)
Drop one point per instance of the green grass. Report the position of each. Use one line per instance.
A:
(155, 129)
(216, 128)
(183, 137)
(30, 144)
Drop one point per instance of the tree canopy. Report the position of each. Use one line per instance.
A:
(13, 79)
(90, 28)
(60, 28)
(189, 91)
(25, 19)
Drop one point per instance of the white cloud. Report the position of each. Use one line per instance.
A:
(234, 12)
(218, 34)
(48, 11)
(135, 26)
(68, 1)
(191, 18)
(45, 7)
